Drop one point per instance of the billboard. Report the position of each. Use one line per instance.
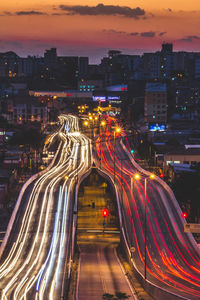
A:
(110, 98)
(157, 127)
(117, 88)
(99, 98)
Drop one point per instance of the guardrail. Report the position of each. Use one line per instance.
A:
(168, 189)
(151, 288)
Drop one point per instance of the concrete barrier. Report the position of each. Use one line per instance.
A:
(154, 290)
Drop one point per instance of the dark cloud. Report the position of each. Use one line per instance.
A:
(162, 33)
(148, 34)
(101, 9)
(134, 33)
(29, 13)
(114, 31)
(190, 38)
(186, 40)
(195, 37)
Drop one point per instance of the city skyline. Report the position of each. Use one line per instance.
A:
(88, 28)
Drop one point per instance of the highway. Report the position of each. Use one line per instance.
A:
(101, 272)
(36, 253)
(171, 258)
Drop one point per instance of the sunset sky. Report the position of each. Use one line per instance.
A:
(91, 28)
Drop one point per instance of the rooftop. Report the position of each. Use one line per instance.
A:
(189, 151)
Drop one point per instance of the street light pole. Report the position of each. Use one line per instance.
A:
(122, 184)
(114, 157)
(152, 176)
(117, 130)
(145, 228)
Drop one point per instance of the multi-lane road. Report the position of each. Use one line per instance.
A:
(171, 258)
(36, 254)
(37, 250)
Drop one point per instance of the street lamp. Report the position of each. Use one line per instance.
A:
(137, 177)
(85, 123)
(103, 123)
(117, 130)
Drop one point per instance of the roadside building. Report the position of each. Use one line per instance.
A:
(189, 156)
(155, 104)
(28, 109)
(6, 178)
(175, 170)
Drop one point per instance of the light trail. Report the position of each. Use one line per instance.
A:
(34, 265)
(173, 258)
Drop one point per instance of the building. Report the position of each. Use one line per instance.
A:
(155, 104)
(88, 85)
(50, 58)
(175, 170)
(28, 109)
(7, 177)
(189, 156)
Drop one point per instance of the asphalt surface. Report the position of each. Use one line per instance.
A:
(33, 263)
(172, 256)
(100, 270)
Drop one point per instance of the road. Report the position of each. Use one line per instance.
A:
(101, 272)
(172, 256)
(37, 250)
(99, 268)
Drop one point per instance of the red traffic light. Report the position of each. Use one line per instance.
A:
(105, 213)
(161, 175)
(184, 215)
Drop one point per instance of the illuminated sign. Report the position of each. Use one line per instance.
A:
(113, 98)
(117, 88)
(157, 127)
(99, 98)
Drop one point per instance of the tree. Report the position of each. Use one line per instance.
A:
(30, 137)
(120, 295)
(107, 296)
(117, 296)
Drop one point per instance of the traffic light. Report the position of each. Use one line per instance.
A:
(105, 213)
(184, 215)
(132, 151)
(161, 175)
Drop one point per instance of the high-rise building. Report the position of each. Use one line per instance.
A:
(167, 48)
(83, 66)
(155, 105)
(50, 58)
